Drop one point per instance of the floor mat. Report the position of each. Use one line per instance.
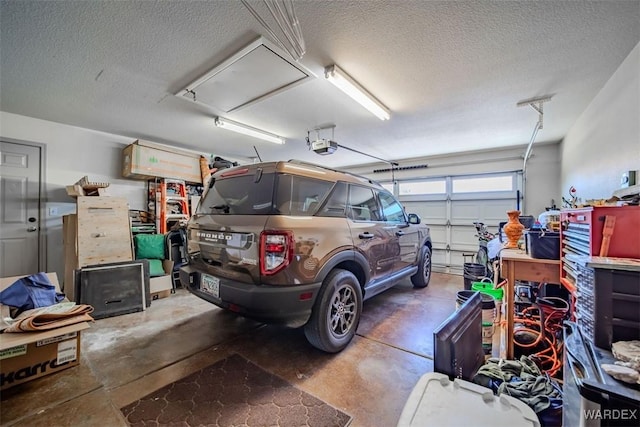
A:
(232, 392)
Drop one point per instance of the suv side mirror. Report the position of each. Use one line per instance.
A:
(414, 218)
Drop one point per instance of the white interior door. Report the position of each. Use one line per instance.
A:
(20, 209)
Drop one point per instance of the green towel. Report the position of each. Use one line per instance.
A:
(155, 268)
(150, 246)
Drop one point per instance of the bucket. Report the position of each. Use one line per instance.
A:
(473, 273)
(497, 294)
(488, 316)
(543, 244)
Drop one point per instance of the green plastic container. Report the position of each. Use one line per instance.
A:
(487, 288)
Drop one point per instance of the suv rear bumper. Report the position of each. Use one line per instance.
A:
(290, 305)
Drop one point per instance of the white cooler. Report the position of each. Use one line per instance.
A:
(437, 401)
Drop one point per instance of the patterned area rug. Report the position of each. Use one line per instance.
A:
(232, 392)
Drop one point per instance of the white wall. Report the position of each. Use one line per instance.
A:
(70, 154)
(543, 170)
(605, 140)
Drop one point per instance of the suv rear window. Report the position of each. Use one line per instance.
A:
(241, 195)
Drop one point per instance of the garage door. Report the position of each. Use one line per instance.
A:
(450, 205)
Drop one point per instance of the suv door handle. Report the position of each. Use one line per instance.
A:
(399, 233)
(365, 235)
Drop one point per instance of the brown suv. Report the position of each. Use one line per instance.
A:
(301, 244)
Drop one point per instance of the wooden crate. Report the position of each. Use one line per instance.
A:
(99, 233)
(104, 233)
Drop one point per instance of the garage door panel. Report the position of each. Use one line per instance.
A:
(458, 260)
(451, 220)
(463, 236)
(487, 211)
(438, 235)
(439, 257)
(430, 212)
(419, 208)
(465, 211)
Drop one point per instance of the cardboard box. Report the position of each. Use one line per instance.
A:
(30, 355)
(161, 286)
(145, 161)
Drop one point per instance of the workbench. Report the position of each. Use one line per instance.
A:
(515, 264)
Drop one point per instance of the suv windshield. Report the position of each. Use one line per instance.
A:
(242, 195)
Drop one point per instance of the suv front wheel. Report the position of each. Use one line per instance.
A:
(336, 313)
(423, 275)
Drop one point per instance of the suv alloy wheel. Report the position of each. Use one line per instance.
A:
(336, 313)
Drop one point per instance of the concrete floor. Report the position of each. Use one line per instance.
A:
(127, 357)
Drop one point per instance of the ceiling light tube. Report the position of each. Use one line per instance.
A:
(352, 88)
(248, 130)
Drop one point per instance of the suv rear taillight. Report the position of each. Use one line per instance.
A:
(276, 251)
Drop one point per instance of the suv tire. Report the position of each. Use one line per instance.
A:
(423, 275)
(336, 312)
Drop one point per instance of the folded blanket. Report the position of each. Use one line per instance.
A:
(51, 317)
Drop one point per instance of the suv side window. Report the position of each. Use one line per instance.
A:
(337, 202)
(362, 204)
(239, 195)
(300, 196)
(392, 210)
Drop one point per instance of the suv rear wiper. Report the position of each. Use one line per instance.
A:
(224, 207)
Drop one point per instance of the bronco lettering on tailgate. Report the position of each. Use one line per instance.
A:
(213, 236)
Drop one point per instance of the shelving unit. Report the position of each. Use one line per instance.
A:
(169, 201)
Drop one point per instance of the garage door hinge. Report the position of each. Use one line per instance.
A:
(448, 248)
(448, 223)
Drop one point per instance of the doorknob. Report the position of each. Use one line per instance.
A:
(31, 229)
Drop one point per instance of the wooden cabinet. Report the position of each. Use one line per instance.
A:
(98, 233)
(582, 234)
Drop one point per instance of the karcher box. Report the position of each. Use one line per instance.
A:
(29, 355)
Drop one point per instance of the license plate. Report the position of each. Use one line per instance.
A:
(210, 285)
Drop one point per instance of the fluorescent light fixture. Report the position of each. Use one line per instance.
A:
(352, 88)
(248, 130)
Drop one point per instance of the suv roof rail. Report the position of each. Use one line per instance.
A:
(302, 162)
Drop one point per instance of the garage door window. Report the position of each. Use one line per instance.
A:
(482, 184)
(432, 186)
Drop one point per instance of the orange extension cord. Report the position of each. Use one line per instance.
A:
(546, 325)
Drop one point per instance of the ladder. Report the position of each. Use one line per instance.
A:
(172, 204)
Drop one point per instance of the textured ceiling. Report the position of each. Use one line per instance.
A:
(451, 72)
